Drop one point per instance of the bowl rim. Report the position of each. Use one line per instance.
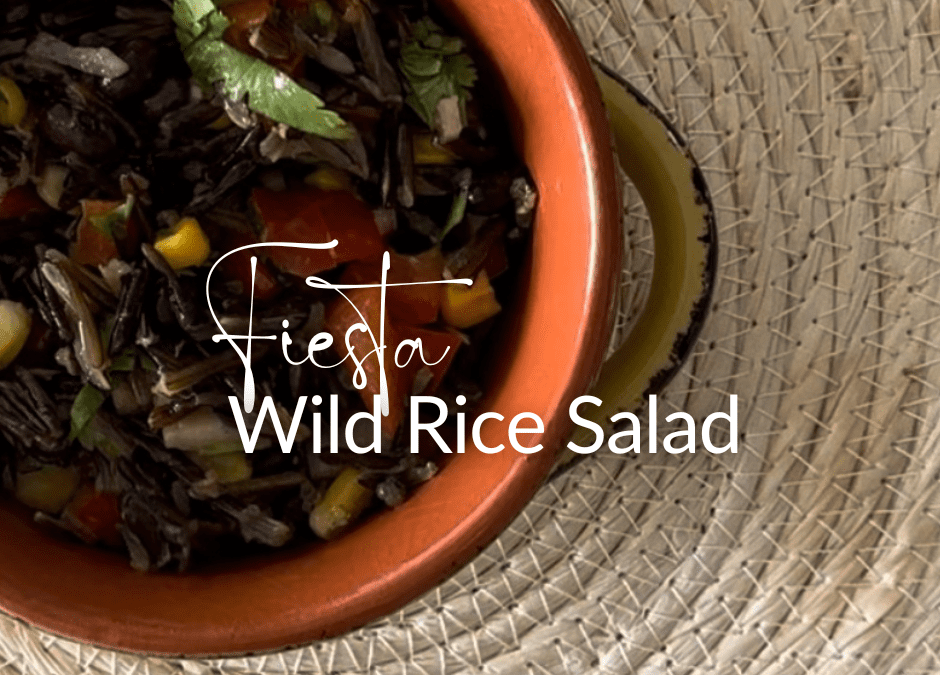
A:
(108, 612)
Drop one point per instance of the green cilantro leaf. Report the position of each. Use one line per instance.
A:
(269, 91)
(436, 68)
(420, 63)
(84, 408)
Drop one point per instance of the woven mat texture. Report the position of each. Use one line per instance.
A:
(815, 549)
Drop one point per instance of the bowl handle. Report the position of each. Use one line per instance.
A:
(658, 162)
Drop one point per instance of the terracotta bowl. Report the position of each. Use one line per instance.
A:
(547, 358)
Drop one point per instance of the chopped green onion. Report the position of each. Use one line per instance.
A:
(84, 408)
(457, 211)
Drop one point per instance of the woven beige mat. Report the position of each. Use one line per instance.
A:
(813, 550)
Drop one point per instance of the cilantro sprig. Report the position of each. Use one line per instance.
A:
(436, 68)
(199, 29)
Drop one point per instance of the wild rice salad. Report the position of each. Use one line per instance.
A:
(140, 141)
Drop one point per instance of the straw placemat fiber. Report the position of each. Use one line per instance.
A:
(814, 549)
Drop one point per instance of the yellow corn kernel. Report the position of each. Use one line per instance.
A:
(185, 246)
(343, 503)
(48, 489)
(426, 151)
(12, 103)
(329, 178)
(15, 324)
(463, 307)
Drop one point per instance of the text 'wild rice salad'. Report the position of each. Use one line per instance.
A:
(141, 141)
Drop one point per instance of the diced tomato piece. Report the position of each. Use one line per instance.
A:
(92, 246)
(436, 345)
(351, 222)
(363, 272)
(238, 267)
(415, 305)
(96, 513)
(312, 215)
(339, 317)
(95, 245)
(21, 201)
(291, 218)
(246, 15)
